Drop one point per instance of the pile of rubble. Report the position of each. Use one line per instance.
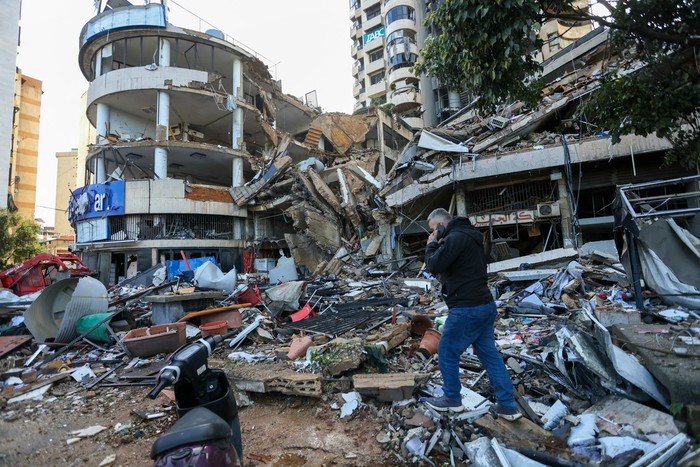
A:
(597, 380)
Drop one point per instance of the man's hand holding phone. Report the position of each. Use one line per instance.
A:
(437, 234)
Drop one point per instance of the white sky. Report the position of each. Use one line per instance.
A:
(308, 39)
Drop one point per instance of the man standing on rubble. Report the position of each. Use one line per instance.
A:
(455, 251)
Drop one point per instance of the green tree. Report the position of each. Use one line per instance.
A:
(18, 239)
(486, 47)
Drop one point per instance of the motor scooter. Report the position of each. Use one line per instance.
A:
(208, 431)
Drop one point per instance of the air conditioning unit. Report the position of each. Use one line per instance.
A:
(499, 122)
(548, 210)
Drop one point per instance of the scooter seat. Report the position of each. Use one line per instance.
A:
(197, 425)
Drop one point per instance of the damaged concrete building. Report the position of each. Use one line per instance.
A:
(190, 127)
(200, 153)
(530, 179)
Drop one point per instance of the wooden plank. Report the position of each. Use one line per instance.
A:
(196, 314)
(521, 433)
(9, 343)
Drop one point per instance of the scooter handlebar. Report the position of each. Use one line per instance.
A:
(166, 377)
(156, 390)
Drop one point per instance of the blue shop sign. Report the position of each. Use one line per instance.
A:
(373, 35)
(96, 201)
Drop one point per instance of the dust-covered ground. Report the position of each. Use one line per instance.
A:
(277, 430)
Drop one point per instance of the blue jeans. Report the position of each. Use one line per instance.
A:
(473, 326)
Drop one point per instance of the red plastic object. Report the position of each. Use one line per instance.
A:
(304, 313)
(214, 328)
(41, 271)
(251, 295)
(429, 343)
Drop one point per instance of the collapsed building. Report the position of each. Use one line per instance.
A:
(199, 153)
(189, 128)
(531, 179)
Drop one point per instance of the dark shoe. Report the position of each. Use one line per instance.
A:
(443, 404)
(510, 415)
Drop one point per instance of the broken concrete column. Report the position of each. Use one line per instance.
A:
(237, 124)
(385, 231)
(565, 209)
(349, 203)
(164, 53)
(460, 201)
(160, 163)
(100, 172)
(237, 172)
(102, 123)
(102, 127)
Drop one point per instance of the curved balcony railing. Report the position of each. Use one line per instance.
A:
(414, 122)
(133, 16)
(399, 74)
(400, 24)
(142, 78)
(406, 99)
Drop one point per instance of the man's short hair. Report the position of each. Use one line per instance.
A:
(440, 213)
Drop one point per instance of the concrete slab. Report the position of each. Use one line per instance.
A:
(680, 375)
(387, 387)
(528, 275)
(183, 298)
(559, 255)
(170, 308)
(611, 316)
(615, 411)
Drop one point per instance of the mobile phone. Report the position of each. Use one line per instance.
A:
(440, 231)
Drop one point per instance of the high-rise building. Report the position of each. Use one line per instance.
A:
(9, 40)
(25, 145)
(66, 183)
(387, 37)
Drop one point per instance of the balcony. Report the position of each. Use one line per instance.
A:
(132, 16)
(372, 23)
(373, 45)
(358, 89)
(406, 99)
(374, 66)
(400, 74)
(355, 11)
(139, 78)
(401, 24)
(356, 32)
(356, 70)
(414, 122)
(389, 4)
(377, 89)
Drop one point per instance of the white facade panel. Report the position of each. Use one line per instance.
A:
(9, 34)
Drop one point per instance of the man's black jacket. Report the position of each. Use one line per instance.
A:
(460, 260)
